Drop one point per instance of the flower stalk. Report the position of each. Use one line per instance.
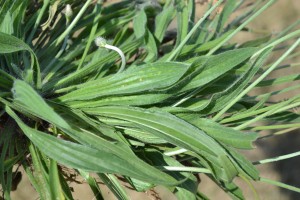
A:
(101, 42)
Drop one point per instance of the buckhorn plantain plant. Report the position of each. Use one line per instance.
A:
(180, 109)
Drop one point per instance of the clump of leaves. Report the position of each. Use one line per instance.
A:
(179, 109)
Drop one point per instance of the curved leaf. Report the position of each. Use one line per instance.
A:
(148, 77)
(96, 147)
(10, 44)
(90, 159)
(226, 135)
(218, 65)
(132, 100)
(174, 130)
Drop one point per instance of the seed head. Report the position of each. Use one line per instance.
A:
(68, 11)
(100, 42)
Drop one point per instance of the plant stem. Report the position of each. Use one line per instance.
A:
(251, 86)
(76, 19)
(277, 126)
(101, 42)
(62, 49)
(38, 21)
(248, 182)
(123, 60)
(175, 152)
(186, 169)
(279, 184)
(277, 109)
(241, 27)
(97, 12)
(278, 41)
(278, 158)
(278, 133)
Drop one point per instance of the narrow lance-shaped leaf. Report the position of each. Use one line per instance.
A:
(224, 134)
(139, 23)
(93, 184)
(132, 100)
(173, 130)
(162, 21)
(219, 100)
(151, 47)
(180, 133)
(182, 20)
(184, 191)
(55, 186)
(148, 77)
(89, 68)
(83, 157)
(197, 48)
(10, 44)
(40, 169)
(105, 156)
(114, 185)
(228, 9)
(218, 65)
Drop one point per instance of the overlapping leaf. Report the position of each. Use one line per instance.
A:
(173, 130)
(215, 66)
(96, 154)
(148, 77)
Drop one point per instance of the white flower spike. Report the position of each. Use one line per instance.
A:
(101, 42)
(68, 11)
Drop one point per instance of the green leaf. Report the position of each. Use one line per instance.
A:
(171, 129)
(224, 134)
(227, 10)
(182, 20)
(221, 99)
(244, 165)
(151, 46)
(143, 136)
(180, 133)
(25, 95)
(6, 157)
(26, 100)
(93, 160)
(233, 190)
(139, 24)
(4, 9)
(40, 167)
(132, 100)
(138, 185)
(187, 190)
(93, 184)
(65, 187)
(6, 25)
(256, 42)
(147, 77)
(99, 150)
(114, 185)
(189, 49)
(54, 182)
(218, 65)
(162, 21)
(59, 82)
(10, 162)
(10, 44)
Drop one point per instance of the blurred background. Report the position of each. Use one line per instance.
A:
(279, 16)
